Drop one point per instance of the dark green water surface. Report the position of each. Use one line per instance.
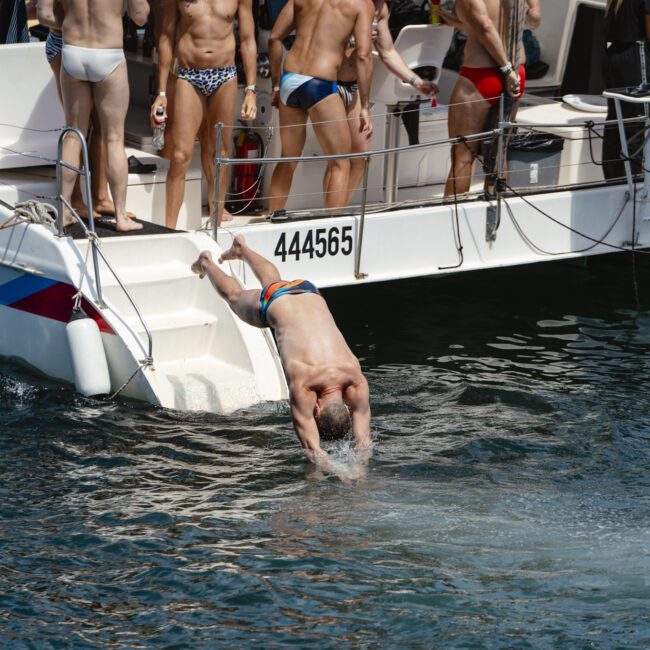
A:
(507, 504)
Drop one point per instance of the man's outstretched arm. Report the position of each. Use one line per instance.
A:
(358, 399)
(284, 23)
(248, 49)
(391, 58)
(302, 413)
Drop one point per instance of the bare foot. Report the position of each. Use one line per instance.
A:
(205, 258)
(126, 225)
(235, 252)
(82, 211)
(226, 216)
(106, 207)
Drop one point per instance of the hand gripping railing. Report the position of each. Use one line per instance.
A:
(90, 229)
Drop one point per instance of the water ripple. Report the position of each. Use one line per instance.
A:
(506, 504)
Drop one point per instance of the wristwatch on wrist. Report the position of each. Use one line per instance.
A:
(412, 80)
(506, 69)
(276, 89)
(252, 88)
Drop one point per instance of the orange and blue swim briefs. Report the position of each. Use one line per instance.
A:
(281, 288)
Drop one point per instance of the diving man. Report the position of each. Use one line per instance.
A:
(327, 390)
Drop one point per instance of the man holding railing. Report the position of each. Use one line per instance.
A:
(306, 86)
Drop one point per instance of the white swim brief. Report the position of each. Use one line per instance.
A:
(90, 63)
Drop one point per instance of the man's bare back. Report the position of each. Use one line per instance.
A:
(498, 13)
(95, 23)
(313, 350)
(323, 30)
(490, 69)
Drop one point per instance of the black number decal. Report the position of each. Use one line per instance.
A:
(333, 241)
(346, 239)
(281, 247)
(327, 241)
(321, 241)
(308, 245)
(294, 249)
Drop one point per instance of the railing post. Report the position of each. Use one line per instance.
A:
(624, 146)
(217, 209)
(500, 160)
(59, 184)
(391, 159)
(89, 199)
(362, 220)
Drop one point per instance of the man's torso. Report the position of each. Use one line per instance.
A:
(93, 23)
(206, 36)
(323, 29)
(313, 350)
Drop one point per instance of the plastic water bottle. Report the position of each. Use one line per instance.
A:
(158, 139)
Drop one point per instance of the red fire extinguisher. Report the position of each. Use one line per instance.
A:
(245, 176)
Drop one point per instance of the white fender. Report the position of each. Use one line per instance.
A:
(88, 357)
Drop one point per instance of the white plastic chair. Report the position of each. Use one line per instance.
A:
(419, 46)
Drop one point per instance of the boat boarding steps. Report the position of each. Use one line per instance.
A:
(206, 383)
(179, 335)
(204, 358)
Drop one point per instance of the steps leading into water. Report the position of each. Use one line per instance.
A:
(201, 351)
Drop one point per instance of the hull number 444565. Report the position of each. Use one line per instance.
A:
(319, 242)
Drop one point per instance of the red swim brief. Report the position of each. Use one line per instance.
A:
(489, 82)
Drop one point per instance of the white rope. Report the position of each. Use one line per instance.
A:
(31, 212)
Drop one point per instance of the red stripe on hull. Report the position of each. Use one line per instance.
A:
(56, 302)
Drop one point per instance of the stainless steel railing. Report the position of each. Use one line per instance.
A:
(90, 229)
(61, 200)
(392, 152)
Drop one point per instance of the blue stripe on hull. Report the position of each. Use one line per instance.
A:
(23, 287)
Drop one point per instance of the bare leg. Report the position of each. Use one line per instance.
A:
(112, 100)
(360, 142)
(220, 108)
(76, 199)
(102, 201)
(265, 271)
(77, 103)
(468, 114)
(329, 119)
(293, 134)
(189, 104)
(244, 302)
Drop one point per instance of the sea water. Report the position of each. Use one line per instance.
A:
(507, 503)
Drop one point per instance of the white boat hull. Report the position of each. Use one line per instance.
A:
(204, 357)
(424, 241)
